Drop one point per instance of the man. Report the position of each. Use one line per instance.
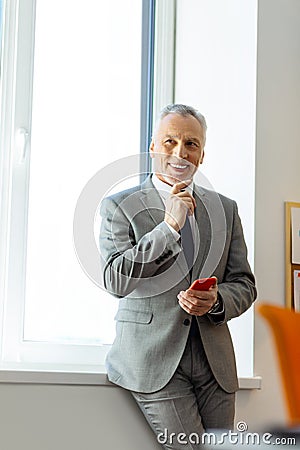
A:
(173, 349)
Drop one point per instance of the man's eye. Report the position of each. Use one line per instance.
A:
(169, 141)
(191, 144)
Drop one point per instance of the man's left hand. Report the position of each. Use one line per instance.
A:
(198, 303)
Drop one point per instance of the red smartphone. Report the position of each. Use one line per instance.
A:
(203, 284)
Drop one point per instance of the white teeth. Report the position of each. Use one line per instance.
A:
(177, 166)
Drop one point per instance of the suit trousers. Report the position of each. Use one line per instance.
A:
(190, 404)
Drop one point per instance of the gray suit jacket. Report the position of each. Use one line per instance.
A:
(144, 266)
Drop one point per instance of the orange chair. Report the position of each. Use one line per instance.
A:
(285, 325)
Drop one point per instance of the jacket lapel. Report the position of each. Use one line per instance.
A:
(152, 202)
(211, 220)
(203, 231)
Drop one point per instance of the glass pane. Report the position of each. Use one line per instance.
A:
(86, 114)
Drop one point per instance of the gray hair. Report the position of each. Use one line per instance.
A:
(182, 110)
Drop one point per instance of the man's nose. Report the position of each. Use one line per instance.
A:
(180, 150)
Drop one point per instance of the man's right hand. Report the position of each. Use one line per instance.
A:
(178, 204)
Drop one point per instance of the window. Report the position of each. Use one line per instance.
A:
(72, 84)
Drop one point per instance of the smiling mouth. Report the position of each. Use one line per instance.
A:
(178, 166)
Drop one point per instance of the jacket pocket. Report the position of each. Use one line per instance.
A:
(128, 315)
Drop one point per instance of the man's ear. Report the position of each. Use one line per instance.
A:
(151, 149)
(202, 157)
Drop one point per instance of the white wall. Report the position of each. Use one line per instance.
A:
(38, 417)
(49, 417)
(277, 181)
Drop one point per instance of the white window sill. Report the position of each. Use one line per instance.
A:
(76, 374)
(250, 382)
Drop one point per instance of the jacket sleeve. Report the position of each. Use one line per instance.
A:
(125, 260)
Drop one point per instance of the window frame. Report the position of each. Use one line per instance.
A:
(16, 88)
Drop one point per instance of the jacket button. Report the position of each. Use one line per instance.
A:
(186, 322)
